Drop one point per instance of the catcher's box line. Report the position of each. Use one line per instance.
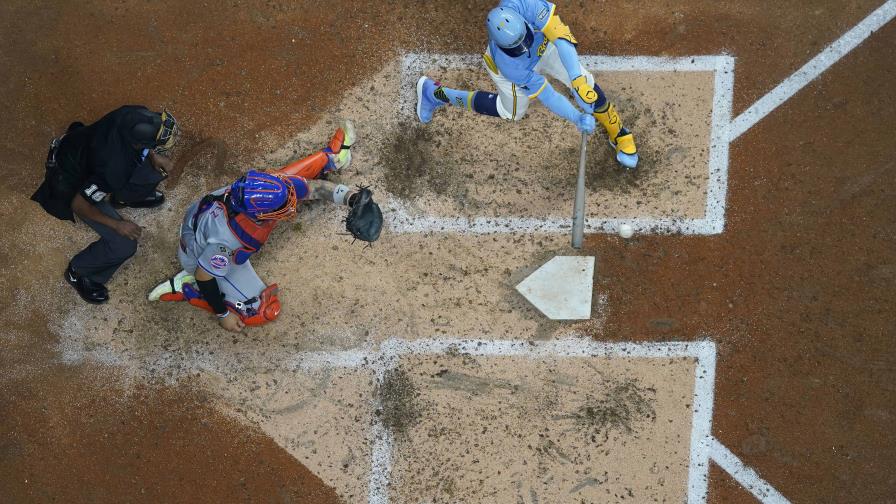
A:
(386, 357)
(747, 477)
(811, 70)
(713, 222)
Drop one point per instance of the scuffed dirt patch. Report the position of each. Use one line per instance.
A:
(622, 410)
(402, 407)
(551, 429)
(412, 166)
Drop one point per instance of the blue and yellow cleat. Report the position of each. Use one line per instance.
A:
(626, 152)
(621, 139)
(427, 103)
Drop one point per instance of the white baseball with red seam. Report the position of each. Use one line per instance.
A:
(626, 231)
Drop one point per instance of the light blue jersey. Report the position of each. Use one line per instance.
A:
(520, 70)
(535, 12)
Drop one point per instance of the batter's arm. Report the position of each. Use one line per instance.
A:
(559, 105)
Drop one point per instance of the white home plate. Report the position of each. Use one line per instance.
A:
(561, 288)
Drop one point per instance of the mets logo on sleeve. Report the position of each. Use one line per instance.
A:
(218, 261)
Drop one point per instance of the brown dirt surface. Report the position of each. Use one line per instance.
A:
(797, 291)
(64, 441)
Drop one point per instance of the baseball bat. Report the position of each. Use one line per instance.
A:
(578, 216)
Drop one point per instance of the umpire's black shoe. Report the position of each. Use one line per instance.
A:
(90, 291)
(152, 201)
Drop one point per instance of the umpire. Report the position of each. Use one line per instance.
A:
(115, 162)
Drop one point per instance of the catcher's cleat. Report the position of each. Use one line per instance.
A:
(621, 139)
(338, 151)
(427, 103)
(349, 135)
(349, 138)
(171, 289)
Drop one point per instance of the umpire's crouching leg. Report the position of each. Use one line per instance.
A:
(94, 266)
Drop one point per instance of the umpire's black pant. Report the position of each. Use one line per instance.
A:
(102, 258)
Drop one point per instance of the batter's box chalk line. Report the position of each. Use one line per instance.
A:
(713, 222)
(703, 446)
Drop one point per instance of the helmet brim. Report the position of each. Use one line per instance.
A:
(522, 47)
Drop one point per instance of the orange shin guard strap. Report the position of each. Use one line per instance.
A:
(268, 308)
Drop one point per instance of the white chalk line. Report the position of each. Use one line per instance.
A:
(701, 424)
(703, 445)
(401, 220)
(811, 70)
(381, 451)
(744, 475)
(717, 186)
(387, 356)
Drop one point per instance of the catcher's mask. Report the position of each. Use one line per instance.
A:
(510, 31)
(263, 196)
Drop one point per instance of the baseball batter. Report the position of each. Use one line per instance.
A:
(527, 40)
(224, 229)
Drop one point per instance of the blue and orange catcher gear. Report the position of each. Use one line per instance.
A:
(264, 196)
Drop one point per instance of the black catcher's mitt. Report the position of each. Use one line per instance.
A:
(364, 220)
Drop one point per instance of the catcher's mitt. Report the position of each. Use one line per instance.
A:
(364, 220)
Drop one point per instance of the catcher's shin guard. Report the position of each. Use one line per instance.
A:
(620, 138)
(335, 156)
(268, 307)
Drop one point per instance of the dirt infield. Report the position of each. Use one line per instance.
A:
(796, 292)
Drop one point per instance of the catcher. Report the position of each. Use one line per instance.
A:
(221, 231)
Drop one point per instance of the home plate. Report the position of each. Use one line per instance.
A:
(561, 288)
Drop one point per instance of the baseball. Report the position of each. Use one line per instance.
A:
(626, 231)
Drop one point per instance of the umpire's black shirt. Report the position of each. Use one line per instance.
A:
(94, 160)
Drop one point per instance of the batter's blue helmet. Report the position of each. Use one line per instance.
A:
(511, 33)
(263, 196)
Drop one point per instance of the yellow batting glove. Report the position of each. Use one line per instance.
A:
(586, 92)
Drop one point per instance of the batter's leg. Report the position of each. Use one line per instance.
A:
(622, 140)
(432, 95)
(512, 103)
